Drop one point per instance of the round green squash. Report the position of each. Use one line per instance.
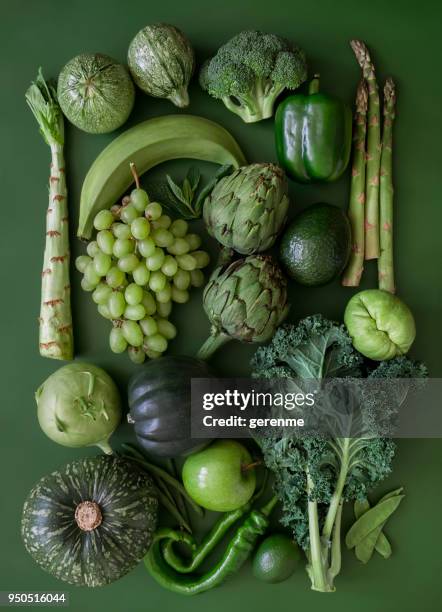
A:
(161, 61)
(95, 93)
(159, 396)
(92, 521)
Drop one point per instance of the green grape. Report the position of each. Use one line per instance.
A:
(170, 266)
(196, 278)
(149, 326)
(139, 199)
(132, 333)
(117, 342)
(102, 263)
(90, 275)
(140, 228)
(181, 280)
(123, 246)
(202, 258)
(121, 230)
(133, 294)
(128, 214)
(105, 241)
(162, 237)
(128, 263)
(155, 261)
(101, 293)
(137, 355)
(151, 354)
(164, 221)
(157, 342)
(157, 281)
(103, 220)
(115, 277)
(194, 241)
(166, 329)
(149, 303)
(186, 262)
(165, 295)
(104, 311)
(153, 211)
(179, 247)
(179, 228)
(82, 262)
(180, 296)
(164, 309)
(86, 286)
(135, 313)
(141, 274)
(146, 247)
(116, 304)
(92, 248)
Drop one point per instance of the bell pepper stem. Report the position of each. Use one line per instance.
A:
(212, 344)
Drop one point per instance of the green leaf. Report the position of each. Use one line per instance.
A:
(194, 177)
(176, 190)
(187, 191)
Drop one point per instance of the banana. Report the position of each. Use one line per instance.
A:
(147, 144)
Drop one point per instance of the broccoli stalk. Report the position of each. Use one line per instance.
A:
(315, 475)
(250, 71)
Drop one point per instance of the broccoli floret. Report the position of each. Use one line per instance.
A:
(251, 70)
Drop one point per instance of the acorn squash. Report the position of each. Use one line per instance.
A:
(160, 405)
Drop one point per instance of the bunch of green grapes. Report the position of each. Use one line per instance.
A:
(139, 264)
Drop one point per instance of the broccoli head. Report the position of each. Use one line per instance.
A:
(251, 70)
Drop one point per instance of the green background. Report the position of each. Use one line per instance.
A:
(405, 40)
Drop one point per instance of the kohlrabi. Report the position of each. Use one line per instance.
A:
(79, 405)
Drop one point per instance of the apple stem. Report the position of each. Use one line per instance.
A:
(249, 466)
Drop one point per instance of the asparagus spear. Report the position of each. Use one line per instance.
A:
(353, 272)
(373, 151)
(385, 261)
(56, 339)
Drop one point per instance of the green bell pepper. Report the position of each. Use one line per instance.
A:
(313, 135)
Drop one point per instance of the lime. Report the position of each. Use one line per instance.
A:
(276, 558)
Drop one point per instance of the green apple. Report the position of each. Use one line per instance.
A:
(381, 326)
(219, 477)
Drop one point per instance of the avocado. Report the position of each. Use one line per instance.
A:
(316, 246)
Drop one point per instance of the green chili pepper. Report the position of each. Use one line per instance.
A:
(313, 135)
(209, 542)
(237, 552)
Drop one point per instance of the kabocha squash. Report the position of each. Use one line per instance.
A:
(92, 521)
(160, 406)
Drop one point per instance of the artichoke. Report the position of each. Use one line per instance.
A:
(247, 209)
(245, 300)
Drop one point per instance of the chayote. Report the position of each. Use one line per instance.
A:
(380, 324)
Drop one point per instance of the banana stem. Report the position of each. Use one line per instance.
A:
(56, 337)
